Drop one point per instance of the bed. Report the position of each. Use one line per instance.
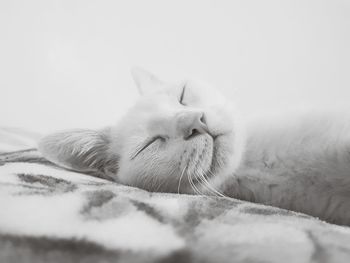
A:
(48, 214)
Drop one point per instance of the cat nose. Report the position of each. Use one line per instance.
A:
(192, 124)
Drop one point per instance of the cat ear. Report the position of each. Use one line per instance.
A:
(81, 150)
(145, 81)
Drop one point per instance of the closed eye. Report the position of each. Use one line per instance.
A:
(182, 96)
(147, 144)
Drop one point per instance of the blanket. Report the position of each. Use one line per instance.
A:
(48, 214)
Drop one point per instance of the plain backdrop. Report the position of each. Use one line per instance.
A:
(65, 64)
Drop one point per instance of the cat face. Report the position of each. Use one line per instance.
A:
(176, 138)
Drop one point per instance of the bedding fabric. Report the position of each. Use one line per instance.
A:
(48, 214)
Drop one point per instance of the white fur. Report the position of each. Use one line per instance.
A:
(298, 163)
(158, 112)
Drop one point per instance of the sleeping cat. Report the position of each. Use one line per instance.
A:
(189, 139)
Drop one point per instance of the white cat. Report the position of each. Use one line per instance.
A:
(188, 139)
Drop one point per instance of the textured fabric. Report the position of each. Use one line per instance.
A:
(48, 214)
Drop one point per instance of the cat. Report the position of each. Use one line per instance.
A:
(188, 138)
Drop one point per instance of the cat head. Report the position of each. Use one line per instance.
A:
(176, 138)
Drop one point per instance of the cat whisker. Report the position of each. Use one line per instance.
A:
(178, 187)
(192, 185)
(200, 182)
(215, 190)
(207, 185)
(195, 189)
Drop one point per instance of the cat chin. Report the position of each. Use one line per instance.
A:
(197, 155)
(227, 156)
(224, 154)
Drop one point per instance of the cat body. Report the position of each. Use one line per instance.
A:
(300, 163)
(188, 138)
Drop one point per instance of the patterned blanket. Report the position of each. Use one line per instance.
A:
(48, 214)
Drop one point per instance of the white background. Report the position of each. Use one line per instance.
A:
(65, 64)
